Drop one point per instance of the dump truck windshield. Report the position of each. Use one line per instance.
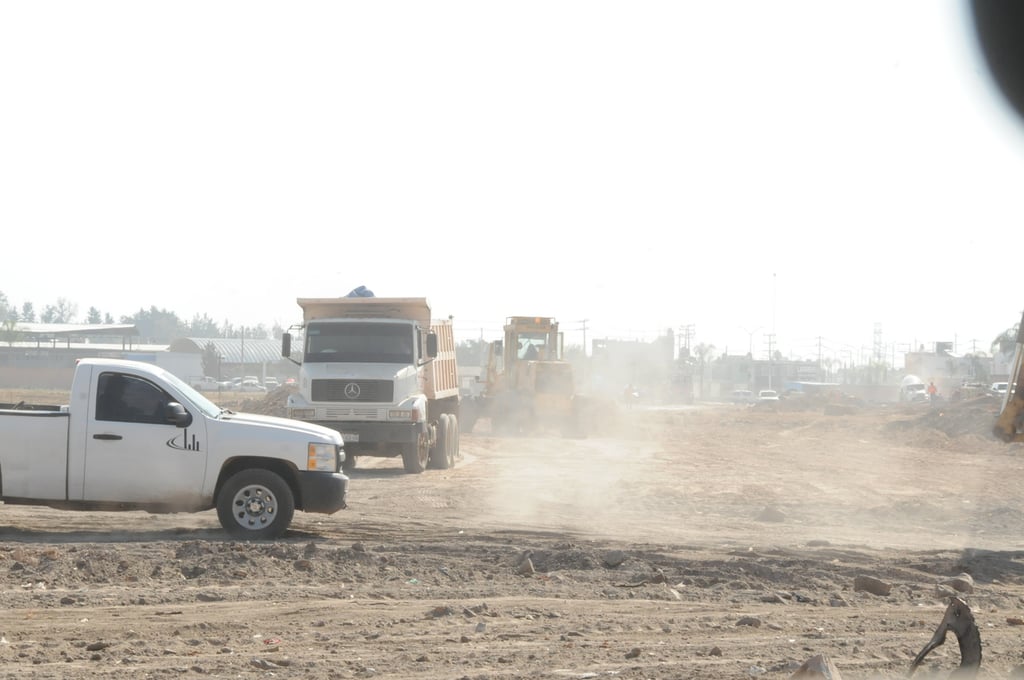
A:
(381, 343)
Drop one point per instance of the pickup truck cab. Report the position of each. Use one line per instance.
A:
(135, 437)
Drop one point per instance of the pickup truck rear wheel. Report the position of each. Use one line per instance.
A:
(255, 505)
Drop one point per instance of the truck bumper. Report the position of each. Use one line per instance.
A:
(376, 433)
(322, 491)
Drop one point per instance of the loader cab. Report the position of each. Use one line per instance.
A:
(531, 338)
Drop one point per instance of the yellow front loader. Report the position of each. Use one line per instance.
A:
(1011, 416)
(528, 385)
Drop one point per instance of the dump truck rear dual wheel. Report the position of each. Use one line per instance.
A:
(454, 439)
(446, 449)
(349, 464)
(415, 456)
(439, 455)
(255, 504)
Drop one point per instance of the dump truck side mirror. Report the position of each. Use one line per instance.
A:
(431, 345)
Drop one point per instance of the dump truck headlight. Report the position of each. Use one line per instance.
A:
(302, 413)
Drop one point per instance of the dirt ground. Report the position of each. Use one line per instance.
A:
(713, 541)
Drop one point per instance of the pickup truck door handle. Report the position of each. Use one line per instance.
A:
(107, 436)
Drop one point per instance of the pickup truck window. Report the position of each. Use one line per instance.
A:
(130, 399)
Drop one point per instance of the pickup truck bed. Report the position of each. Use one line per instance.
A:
(22, 406)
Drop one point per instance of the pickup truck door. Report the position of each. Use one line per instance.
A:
(132, 454)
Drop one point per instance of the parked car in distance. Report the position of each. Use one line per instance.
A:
(767, 396)
(998, 389)
(271, 383)
(236, 383)
(250, 385)
(207, 384)
(742, 397)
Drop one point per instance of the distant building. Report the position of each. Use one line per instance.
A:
(44, 355)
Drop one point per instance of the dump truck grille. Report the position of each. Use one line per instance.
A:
(340, 413)
(354, 390)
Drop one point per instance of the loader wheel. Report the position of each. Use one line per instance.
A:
(468, 414)
(415, 456)
(501, 424)
(439, 458)
(577, 423)
(255, 504)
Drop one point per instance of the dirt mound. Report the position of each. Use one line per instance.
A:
(960, 423)
(272, 403)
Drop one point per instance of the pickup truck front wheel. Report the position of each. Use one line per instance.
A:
(255, 505)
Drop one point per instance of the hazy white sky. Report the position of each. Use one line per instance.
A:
(820, 169)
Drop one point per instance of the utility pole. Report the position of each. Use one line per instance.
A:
(584, 322)
(771, 338)
(686, 333)
(750, 339)
(819, 360)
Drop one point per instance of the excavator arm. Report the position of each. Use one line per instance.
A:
(1011, 415)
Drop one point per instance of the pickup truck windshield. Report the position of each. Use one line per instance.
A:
(356, 342)
(195, 396)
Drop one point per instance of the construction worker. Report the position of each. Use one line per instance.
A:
(932, 390)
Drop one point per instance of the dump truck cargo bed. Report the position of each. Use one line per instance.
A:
(416, 309)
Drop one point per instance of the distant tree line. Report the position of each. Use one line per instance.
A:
(158, 326)
(155, 325)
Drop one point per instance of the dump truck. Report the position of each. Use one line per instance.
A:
(382, 373)
(528, 385)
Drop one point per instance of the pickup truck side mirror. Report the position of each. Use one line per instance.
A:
(286, 345)
(177, 415)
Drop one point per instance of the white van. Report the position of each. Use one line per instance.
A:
(913, 389)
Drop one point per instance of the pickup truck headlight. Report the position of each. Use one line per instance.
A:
(321, 457)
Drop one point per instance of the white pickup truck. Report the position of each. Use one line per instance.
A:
(135, 437)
